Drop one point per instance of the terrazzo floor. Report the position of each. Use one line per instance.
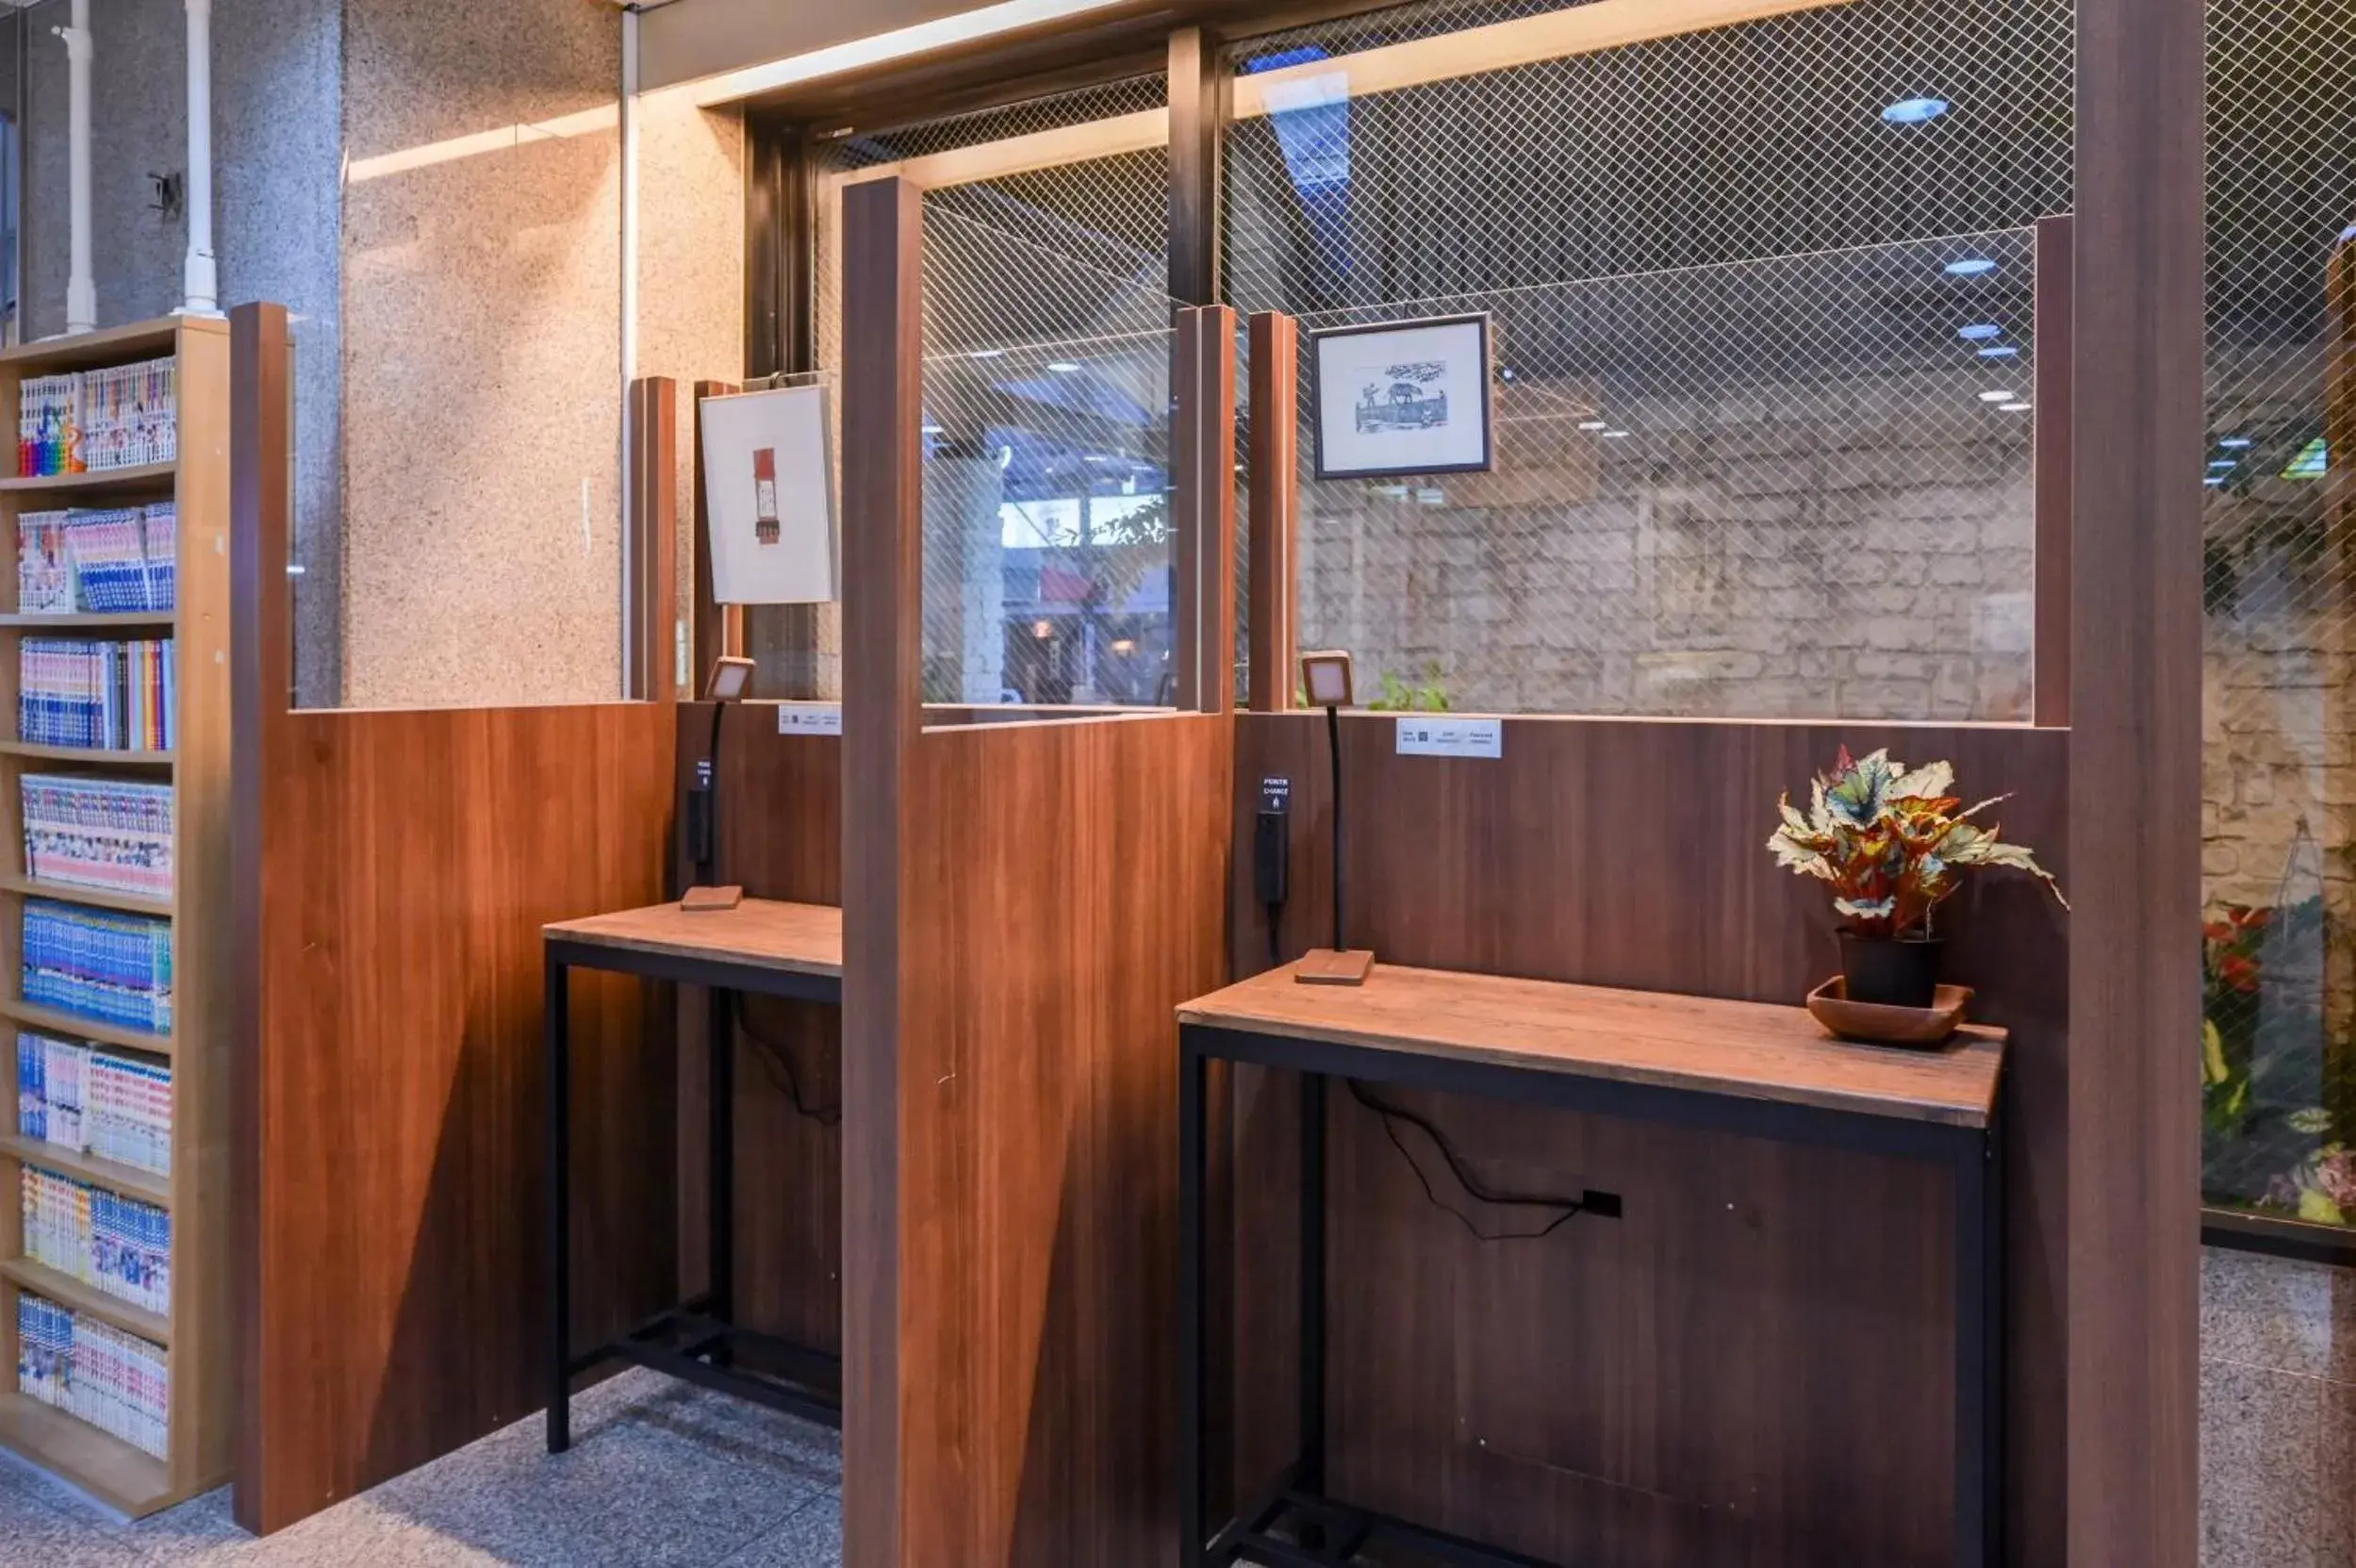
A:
(659, 1473)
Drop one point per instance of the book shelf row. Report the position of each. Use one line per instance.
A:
(113, 1291)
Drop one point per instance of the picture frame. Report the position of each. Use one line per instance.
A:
(1395, 399)
(768, 486)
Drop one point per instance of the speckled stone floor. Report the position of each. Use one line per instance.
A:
(659, 1473)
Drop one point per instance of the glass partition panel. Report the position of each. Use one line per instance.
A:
(2278, 776)
(1792, 487)
(460, 422)
(1048, 548)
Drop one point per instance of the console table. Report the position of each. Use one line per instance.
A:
(1728, 1066)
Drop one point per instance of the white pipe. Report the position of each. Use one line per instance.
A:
(81, 290)
(200, 279)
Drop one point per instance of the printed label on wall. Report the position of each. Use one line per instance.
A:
(809, 719)
(1427, 736)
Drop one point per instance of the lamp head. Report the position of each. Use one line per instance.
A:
(731, 679)
(1326, 679)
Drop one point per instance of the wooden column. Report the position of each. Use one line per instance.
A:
(651, 601)
(1274, 508)
(1198, 120)
(1202, 440)
(718, 628)
(882, 595)
(2055, 350)
(261, 664)
(2134, 795)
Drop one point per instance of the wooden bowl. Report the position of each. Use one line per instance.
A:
(1877, 1025)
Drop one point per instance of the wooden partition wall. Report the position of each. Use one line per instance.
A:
(393, 871)
(1748, 1365)
(1025, 906)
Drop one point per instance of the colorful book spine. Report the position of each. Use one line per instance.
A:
(44, 1349)
(95, 963)
(120, 1383)
(96, 694)
(117, 1244)
(126, 1112)
(44, 575)
(114, 833)
(47, 439)
(129, 414)
(52, 1090)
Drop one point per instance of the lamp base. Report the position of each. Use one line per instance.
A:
(1326, 966)
(706, 900)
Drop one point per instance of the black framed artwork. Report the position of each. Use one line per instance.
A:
(1398, 398)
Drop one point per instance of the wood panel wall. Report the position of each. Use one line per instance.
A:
(1709, 1379)
(1025, 906)
(393, 870)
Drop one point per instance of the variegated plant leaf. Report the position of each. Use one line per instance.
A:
(1866, 909)
(1927, 781)
(1859, 794)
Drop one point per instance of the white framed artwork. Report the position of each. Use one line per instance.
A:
(769, 498)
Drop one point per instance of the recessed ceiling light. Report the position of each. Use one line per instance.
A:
(2225, 462)
(1998, 397)
(987, 354)
(1915, 111)
(930, 429)
(1970, 266)
(1615, 435)
(1063, 367)
(2213, 481)
(1979, 332)
(2234, 443)
(1594, 424)
(2001, 351)
(2014, 408)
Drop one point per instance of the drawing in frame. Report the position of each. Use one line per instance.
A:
(1399, 399)
(768, 486)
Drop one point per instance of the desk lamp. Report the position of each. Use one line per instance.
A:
(729, 680)
(1326, 679)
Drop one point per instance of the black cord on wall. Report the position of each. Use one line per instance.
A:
(776, 1060)
(1392, 1116)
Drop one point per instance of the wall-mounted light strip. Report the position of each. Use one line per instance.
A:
(840, 58)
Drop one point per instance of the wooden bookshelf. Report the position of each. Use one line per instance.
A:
(196, 1332)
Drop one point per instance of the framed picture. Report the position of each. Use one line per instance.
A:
(1402, 398)
(768, 486)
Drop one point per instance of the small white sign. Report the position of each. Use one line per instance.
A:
(1436, 736)
(809, 719)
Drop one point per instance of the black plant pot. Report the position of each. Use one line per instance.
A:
(1890, 971)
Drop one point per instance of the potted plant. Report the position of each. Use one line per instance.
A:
(1893, 846)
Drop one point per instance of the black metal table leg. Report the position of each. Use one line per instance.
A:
(1192, 1487)
(723, 1152)
(554, 1008)
(1309, 1472)
(1977, 1308)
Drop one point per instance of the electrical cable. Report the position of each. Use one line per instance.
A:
(1276, 943)
(775, 1057)
(1472, 1185)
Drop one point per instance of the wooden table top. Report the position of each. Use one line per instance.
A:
(1750, 1049)
(762, 933)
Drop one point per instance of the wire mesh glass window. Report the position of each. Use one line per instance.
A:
(1757, 290)
(2279, 784)
(1048, 548)
(1046, 242)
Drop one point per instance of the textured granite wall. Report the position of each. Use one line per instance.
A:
(482, 352)
(139, 118)
(278, 99)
